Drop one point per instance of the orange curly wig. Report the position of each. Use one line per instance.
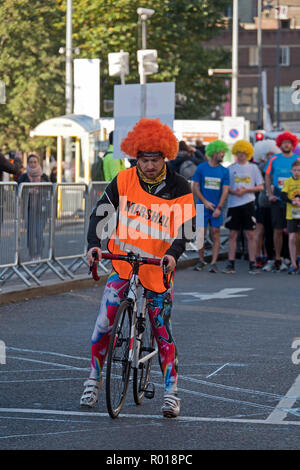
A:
(150, 135)
(287, 136)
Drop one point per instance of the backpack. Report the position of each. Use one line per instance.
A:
(187, 169)
(97, 173)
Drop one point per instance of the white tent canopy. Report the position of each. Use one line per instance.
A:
(70, 125)
(83, 128)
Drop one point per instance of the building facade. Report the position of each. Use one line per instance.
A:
(280, 62)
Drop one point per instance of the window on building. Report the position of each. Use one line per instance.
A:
(253, 55)
(247, 100)
(285, 56)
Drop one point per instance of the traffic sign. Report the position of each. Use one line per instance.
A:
(234, 133)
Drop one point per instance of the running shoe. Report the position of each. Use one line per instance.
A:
(171, 406)
(268, 266)
(284, 265)
(259, 262)
(91, 391)
(229, 269)
(252, 270)
(213, 268)
(200, 266)
(292, 270)
(276, 266)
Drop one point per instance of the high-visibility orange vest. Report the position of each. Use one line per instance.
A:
(147, 225)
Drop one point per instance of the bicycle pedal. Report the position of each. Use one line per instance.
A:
(149, 393)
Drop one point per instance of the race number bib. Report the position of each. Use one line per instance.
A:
(295, 212)
(212, 183)
(280, 182)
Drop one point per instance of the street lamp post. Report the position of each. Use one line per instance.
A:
(69, 88)
(278, 40)
(259, 43)
(69, 77)
(144, 14)
(235, 48)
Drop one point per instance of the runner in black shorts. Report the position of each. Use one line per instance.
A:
(245, 180)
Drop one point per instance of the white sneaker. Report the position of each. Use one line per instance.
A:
(268, 266)
(91, 391)
(171, 406)
(284, 266)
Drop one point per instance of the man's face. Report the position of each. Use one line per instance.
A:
(151, 166)
(286, 146)
(242, 157)
(218, 157)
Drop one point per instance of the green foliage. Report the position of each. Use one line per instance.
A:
(31, 68)
(32, 31)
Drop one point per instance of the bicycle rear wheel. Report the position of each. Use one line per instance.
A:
(118, 365)
(141, 375)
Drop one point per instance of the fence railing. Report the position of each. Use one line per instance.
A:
(43, 226)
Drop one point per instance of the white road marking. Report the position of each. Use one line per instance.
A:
(286, 404)
(50, 353)
(227, 293)
(141, 416)
(218, 370)
(48, 363)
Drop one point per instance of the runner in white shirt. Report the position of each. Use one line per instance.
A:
(245, 181)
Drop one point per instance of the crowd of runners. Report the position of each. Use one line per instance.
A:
(257, 198)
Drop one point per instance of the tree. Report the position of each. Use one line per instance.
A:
(32, 31)
(30, 66)
(177, 30)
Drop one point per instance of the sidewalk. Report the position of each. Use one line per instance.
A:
(14, 290)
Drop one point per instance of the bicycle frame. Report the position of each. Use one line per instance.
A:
(139, 313)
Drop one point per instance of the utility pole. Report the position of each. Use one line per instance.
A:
(235, 48)
(69, 88)
(69, 75)
(278, 39)
(259, 50)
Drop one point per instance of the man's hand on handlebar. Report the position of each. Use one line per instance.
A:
(90, 257)
(171, 263)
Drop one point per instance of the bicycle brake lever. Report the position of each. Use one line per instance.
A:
(94, 265)
(165, 275)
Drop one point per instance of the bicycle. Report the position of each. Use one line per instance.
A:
(132, 343)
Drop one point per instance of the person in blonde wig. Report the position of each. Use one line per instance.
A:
(245, 181)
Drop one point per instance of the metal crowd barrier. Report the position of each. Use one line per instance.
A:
(69, 225)
(44, 226)
(9, 241)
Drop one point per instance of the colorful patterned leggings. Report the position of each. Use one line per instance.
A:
(159, 310)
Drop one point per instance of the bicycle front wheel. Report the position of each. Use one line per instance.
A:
(141, 374)
(118, 365)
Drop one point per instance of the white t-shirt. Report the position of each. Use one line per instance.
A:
(246, 176)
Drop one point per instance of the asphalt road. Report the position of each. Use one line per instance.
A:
(239, 381)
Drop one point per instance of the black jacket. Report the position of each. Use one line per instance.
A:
(183, 156)
(24, 178)
(8, 167)
(173, 187)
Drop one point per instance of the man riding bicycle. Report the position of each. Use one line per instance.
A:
(156, 217)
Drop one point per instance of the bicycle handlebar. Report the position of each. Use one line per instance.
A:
(130, 258)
